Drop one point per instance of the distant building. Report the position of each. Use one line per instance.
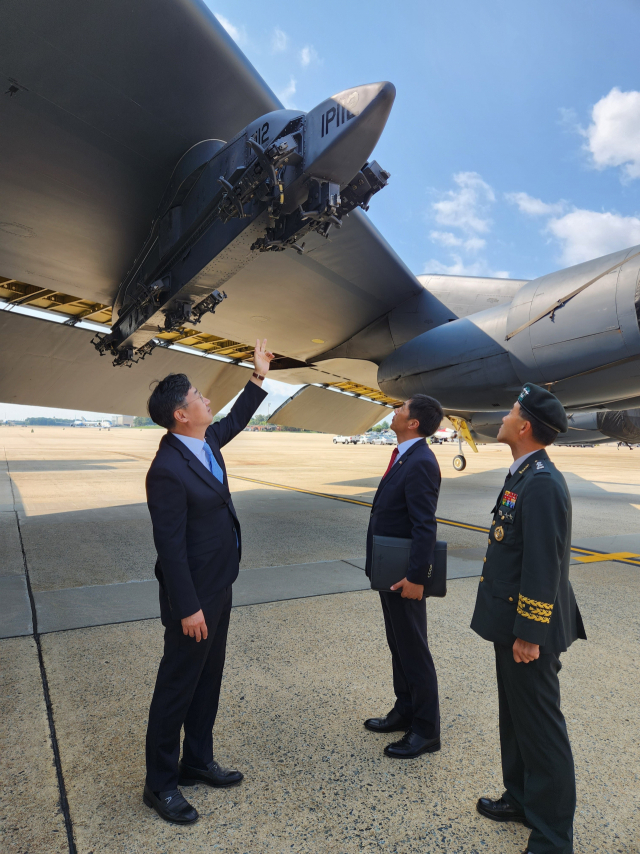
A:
(122, 420)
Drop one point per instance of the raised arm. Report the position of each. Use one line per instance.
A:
(228, 427)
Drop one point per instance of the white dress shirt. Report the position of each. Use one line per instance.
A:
(517, 463)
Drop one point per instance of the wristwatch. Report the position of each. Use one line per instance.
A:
(257, 375)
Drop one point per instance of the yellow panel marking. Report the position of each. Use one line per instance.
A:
(594, 558)
(463, 429)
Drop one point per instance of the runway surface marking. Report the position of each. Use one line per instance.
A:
(583, 555)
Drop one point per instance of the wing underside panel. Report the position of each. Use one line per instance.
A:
(50, 364)
(326, 411)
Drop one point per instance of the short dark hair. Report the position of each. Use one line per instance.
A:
(169, 395)
(542, 434)
(428, 412)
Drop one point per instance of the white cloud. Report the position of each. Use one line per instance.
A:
(279, 41)
(534, 207)
(459, 267)
(584, 234)
(474, 244)
(286, 95)
(467, 207)
(446, 238)
(308, 54)
(613, 137)
(238, 34)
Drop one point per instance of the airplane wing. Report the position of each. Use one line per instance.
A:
(101, 101)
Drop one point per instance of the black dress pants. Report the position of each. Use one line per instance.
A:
(187, 693)
(414, 675)
(537, 763)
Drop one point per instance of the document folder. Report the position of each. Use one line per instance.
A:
(390, 564)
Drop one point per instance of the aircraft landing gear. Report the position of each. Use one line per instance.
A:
(459, 461)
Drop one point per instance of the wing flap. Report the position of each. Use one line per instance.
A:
(50, 364)
(325, 411)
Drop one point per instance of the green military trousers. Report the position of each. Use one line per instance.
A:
(537, 763)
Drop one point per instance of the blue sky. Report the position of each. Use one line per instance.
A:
(494, 99)
(514, 141)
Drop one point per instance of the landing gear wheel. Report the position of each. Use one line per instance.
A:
(459, 462)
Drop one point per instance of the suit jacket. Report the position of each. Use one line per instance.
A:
(195, 525)
(524, 590)
(405, 506)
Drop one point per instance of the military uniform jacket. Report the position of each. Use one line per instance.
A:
(524, 591)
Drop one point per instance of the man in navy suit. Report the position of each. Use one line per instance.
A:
(405, 506)
(199, 544)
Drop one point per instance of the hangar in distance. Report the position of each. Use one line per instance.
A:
(160, 204)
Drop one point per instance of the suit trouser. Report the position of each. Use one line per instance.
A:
(414, 675)
(537, 764)
(187, 693)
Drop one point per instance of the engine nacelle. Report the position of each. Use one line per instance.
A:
(576, 331)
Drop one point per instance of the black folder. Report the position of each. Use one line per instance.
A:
(390, 564)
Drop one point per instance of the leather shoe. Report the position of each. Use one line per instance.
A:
(500, 810)
(411, 745)
(171, 805)
(215, 775)
(393, 722)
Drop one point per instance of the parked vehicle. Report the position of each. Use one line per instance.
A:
(367, 438)
(354, 440)
(341, 440)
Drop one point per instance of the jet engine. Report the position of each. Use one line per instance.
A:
(623, 426)
(576, 331)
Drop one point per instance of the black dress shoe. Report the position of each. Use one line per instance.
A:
(171, 806)
(394, 722)
(215, 775)
(411, 745)
(500, 810)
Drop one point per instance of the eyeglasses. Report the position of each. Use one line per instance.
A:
(184, 405)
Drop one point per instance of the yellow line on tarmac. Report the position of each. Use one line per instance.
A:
(590, 556)
(352, 501)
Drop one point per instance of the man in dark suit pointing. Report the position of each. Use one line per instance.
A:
(198, 540)
(405, 506)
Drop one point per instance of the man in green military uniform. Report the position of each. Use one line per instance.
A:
(526, 607)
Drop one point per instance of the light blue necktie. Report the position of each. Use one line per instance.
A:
(214, 468)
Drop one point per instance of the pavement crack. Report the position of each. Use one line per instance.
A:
(62, 789)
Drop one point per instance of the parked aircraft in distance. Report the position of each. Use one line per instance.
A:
(153, 183)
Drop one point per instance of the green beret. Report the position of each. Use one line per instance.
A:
(544, 406)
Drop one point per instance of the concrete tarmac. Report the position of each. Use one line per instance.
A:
(304, 667)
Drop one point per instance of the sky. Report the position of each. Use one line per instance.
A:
(514, 141)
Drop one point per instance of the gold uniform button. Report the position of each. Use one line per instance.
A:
(489, 540)
(482, 578)
(510, 598)
(494, 522)
(484, 560)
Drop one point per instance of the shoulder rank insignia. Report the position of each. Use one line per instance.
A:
(499, 533)
(509, 499)
(539, 465)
